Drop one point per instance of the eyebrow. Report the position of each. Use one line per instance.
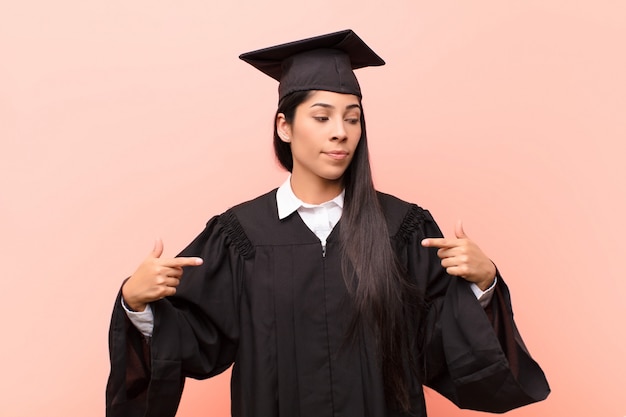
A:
(330, 106)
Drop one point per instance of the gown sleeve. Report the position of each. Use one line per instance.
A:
(472, 355)
(196, 332)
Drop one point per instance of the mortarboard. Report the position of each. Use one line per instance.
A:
(321, 63)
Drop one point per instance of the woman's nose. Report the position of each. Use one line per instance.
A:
(339, 131)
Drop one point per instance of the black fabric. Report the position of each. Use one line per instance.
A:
(320, 63)
(268, 301)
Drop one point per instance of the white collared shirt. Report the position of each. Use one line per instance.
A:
(321, 219)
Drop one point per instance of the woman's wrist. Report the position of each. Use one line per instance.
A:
(130, 304)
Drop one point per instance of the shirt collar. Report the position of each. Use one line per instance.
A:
(287, 201)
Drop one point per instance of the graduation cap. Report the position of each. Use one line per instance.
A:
(321, 63)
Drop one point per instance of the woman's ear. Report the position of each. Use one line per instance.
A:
(283, 128)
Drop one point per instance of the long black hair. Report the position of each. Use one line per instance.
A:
(381, 292)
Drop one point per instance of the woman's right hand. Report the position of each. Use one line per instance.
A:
(155, 278)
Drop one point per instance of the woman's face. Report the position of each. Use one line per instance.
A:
(324, 134)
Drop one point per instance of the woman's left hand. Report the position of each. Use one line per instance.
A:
(461, 257)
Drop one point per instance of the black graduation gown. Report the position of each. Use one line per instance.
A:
(268, 301)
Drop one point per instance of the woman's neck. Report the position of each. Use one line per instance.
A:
(317, 190)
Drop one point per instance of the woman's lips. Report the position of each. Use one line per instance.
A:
(337, 154)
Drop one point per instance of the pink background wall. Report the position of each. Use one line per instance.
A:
(121, 121)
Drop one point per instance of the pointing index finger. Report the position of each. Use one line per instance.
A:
(437, 243)
(183, 261)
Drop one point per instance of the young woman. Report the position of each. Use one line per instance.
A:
(328, 297)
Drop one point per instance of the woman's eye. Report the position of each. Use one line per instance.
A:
(353, 121)
(321, 118)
